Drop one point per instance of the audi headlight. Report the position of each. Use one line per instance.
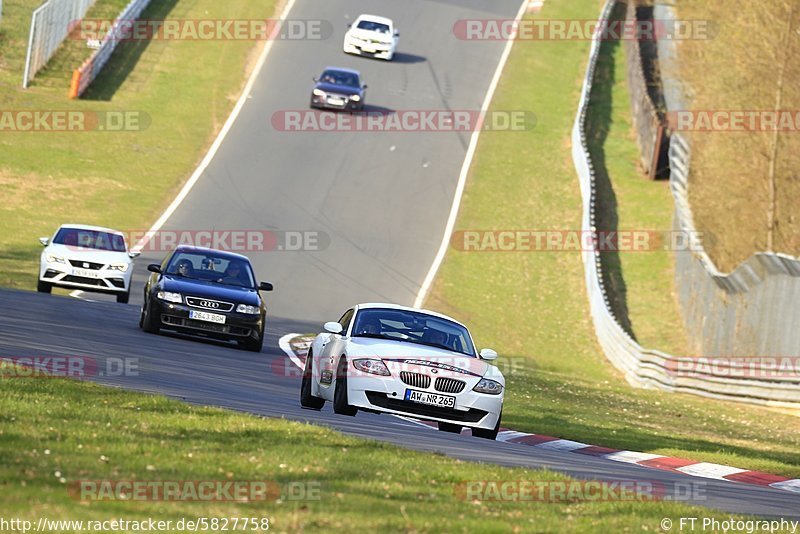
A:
(489, 387)
(121, 267)
(55, 259)
(244, 308)
(374, 367)
(170, 296)
(319, 92)
(355, 98)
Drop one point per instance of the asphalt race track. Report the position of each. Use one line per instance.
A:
(381, 201)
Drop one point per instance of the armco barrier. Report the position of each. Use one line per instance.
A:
(50, 25)
(85, 75)
(643, 367)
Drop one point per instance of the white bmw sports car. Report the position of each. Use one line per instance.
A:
(385, 358)
(89, 258)
(373, 36)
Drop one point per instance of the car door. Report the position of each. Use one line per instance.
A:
(333, 348)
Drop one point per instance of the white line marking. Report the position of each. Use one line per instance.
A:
(631, 457)
(511, 434)
(788, 485)
(709, 470)
(462, 177)
(217, 142)
(283, 343)
(562, 445)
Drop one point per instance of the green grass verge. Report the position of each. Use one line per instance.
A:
(117, 179)
(532, 307)
(54, 433)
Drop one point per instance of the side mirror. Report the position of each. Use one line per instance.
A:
(315, 80)
(44, 241)
(364, 86)
(154, 268)
(349, 24)
(133, 254)
(397, 33)
(488, 355)
(265, 286)
(333, 327)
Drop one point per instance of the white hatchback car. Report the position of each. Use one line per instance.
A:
(89, 258)
(373, 36)
(386, 358)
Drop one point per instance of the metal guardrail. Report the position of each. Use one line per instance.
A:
(51, 23)
(651, 368)
(83, 76)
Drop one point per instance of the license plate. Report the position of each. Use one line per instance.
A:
(85, 273)
(433, 399)
(208, 317)
(336, 101)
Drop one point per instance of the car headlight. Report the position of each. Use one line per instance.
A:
(55, 259)
(368, 365)
(489, 387)
(244, 308)
(355, 98)
(121, 267)
(319, 92)
(170, 296)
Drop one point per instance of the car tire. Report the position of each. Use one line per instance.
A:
(488, 434)
(123, 298)
(253, 345)
(307, 400)
(148, 324)
(43, 287)
(450, 427)
(340, 402)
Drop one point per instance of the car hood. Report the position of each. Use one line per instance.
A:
(358, 33)
(201, 288)
(339, 89)
(87, 254)
(402, 356)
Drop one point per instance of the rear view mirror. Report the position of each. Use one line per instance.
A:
(488, 355)
(44, 241)
(133, 254)
(154, 268)
(265, 286)
(333, 327)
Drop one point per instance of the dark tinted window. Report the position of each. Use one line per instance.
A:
(75, 237)
(212, 268)
(338, 77)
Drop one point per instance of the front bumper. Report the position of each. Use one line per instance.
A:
(328, 102)
(387, 394)
(370, 49)
(238, 326)
(94, 280)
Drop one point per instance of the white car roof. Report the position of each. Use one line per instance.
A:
(375, 18)
(89, 227)
(368, 305)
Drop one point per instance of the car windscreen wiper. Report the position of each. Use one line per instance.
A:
(374, 336)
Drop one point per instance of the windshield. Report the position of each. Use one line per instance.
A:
(338, 77)
(74, 237)
(374, 26)
(413, 327)
(212, 268)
